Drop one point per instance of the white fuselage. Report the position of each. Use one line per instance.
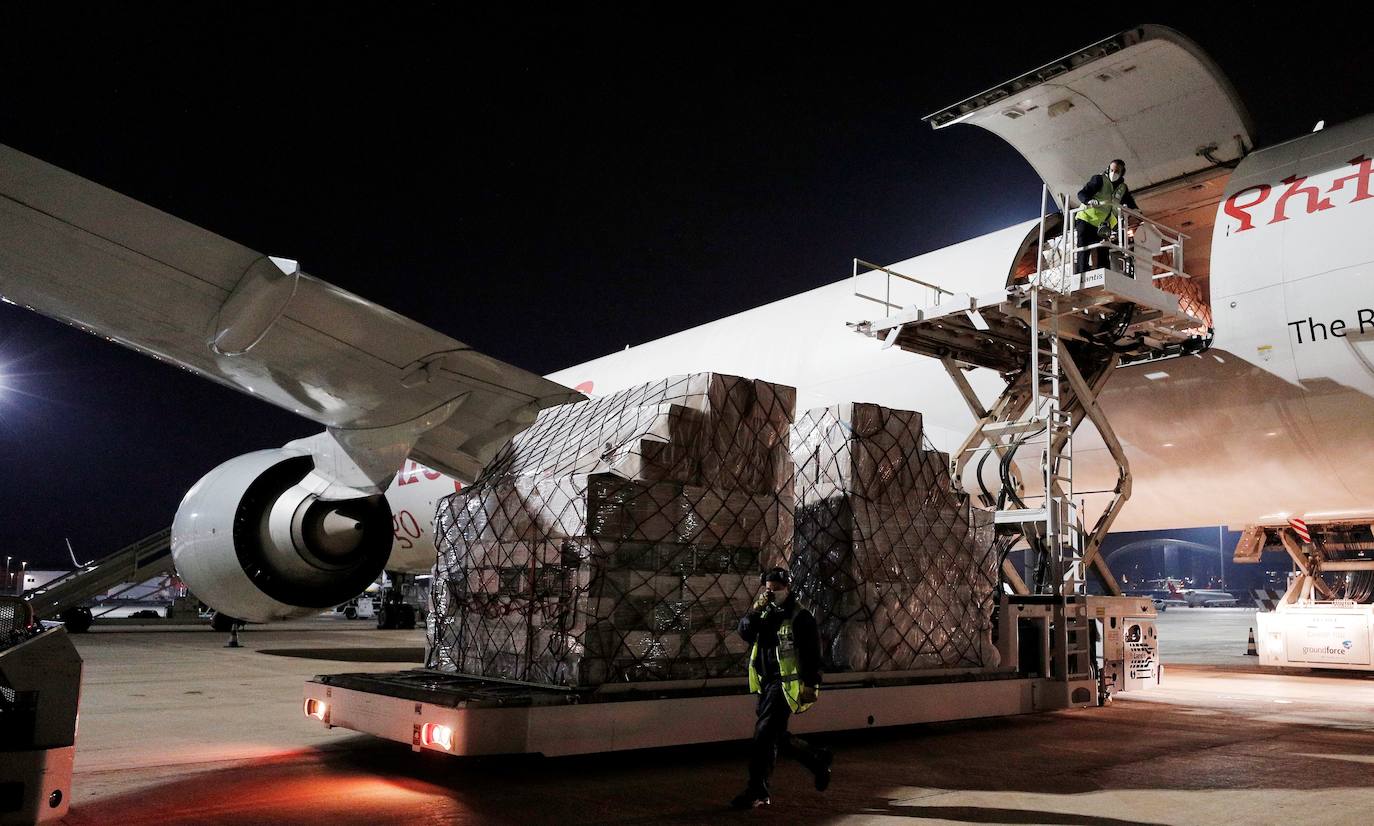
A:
(414, 498)
(1200, 599)
(1276, 419)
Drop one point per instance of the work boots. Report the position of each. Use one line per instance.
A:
(824, 759)
(749, 799)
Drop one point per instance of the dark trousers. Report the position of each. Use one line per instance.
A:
(770, 736)
(1085, 234)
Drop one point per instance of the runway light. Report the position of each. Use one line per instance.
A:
(317, 709)
(433, 734)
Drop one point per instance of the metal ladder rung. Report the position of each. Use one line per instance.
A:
(1020, 515)
(1003, 428)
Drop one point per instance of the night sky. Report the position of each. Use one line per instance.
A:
(546, 189)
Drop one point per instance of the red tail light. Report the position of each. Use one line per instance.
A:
(433, 734)
(317, 709)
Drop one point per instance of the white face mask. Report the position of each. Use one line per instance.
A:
(1114, 175)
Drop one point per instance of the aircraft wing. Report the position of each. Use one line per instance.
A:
(80, 253)
(1148, 95)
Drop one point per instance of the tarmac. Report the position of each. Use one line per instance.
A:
(176, 729)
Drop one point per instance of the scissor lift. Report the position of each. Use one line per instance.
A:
(1055, 338)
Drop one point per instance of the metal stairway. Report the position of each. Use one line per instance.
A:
(147, 558)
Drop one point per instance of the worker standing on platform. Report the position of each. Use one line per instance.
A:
(784, 670)
(1103, 196)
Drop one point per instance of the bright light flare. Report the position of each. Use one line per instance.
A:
(317, 709)
(434, 734)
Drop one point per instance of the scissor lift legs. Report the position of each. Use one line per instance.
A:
(1056, 349)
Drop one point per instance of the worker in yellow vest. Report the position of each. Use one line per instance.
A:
(1103, 196)
(785, 673)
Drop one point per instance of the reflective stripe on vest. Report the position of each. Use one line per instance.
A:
(787, 668)
(1110, 196)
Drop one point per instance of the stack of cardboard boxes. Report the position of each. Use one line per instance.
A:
(897, 567)
(619, 539)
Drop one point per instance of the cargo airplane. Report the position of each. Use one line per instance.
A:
(1274, 419)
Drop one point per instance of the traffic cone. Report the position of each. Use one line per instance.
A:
(1250, 649)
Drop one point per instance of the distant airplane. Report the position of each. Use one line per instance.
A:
(1197, 598)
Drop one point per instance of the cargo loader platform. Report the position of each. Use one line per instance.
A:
(468, 716)
(461, 715)
(1102, 308)
(1055, 336)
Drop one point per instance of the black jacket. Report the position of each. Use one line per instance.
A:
(762, 626)
(1094, 186)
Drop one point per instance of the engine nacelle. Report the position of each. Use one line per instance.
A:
(252, 542)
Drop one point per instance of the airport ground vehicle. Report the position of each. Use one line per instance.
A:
(361, 607)
(1325, 619)
(40, 673)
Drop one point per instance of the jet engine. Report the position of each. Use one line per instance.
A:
(253, 541)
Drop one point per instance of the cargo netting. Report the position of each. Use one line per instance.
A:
(621, 539)
(618, 539)
(899, 570)
(1192, 296)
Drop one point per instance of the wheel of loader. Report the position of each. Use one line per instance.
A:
(394, 617)
(77, 620)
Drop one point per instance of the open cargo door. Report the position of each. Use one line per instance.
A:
(1148, 95)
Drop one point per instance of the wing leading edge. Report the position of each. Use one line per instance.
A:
(85, 255)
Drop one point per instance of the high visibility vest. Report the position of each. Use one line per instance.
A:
(1110, 196)
(787, 667)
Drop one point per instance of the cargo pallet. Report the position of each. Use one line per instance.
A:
(470, 716)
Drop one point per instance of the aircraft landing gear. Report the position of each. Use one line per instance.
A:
(223, 622)
(395, 613)
(397, 616)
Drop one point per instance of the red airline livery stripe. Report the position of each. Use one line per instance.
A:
(1309, 196)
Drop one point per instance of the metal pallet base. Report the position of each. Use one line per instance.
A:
(549, 724)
